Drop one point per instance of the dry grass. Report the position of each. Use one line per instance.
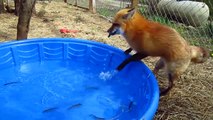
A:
(192, 96)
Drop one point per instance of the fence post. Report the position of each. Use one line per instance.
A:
(134, 3)
(76, 3)
(92, 6)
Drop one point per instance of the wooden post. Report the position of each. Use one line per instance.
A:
(92, 6)
(25, 13)
(134, 3)
(76, 3)
(2, 6)
(17, 6)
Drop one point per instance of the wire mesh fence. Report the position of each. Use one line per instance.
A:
(108, 8)
(192, 19)
(79, 3)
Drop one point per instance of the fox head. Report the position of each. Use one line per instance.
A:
(119, 22)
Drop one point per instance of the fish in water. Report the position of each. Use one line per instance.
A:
(50, 109)
(130, 105)
(74, 106)
(10, 83)
(96, 117)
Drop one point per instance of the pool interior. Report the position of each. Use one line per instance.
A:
(72, 90)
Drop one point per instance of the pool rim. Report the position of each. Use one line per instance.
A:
(151, 110)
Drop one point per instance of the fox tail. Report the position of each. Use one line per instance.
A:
(199, 54)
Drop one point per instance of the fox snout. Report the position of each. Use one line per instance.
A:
(114, 29)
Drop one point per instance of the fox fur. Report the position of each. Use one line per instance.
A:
(150, 38)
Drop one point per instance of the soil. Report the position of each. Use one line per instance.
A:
(192, 95)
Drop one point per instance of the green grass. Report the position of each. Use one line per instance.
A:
(106, 12)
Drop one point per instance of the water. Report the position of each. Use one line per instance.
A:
(107, 75)
(66, 91)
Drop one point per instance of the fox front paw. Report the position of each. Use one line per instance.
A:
(128, 51)
(120, 67)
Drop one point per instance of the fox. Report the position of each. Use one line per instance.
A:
(149, 38)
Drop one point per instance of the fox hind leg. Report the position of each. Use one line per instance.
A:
(171, 78)
(159, 65)
(174, 70)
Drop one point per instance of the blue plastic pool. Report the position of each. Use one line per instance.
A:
(73, 79)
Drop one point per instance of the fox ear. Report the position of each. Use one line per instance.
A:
(130, 13)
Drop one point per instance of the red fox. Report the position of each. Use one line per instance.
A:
(150, 38)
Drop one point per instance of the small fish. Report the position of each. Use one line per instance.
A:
(50, 109)
(130, 105)
(10, 83)
(96, 118)
(74, 106)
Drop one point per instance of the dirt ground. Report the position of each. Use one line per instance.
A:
(190, 99)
